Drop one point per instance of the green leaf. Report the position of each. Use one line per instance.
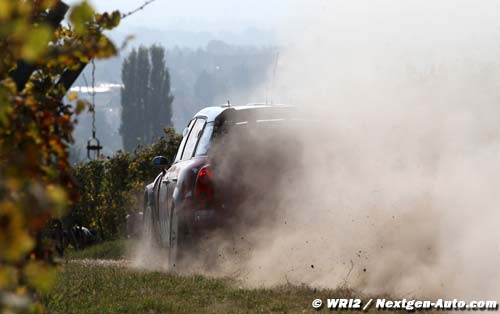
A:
(115, 19)
(36, 43)
(81, 15)
(80, 106)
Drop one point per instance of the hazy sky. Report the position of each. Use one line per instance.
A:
(213, 15)
(435, 23)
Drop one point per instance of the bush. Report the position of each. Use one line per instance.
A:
(113, 188)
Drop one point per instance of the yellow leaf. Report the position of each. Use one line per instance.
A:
(18, 248)
(115, 19)
(5, 8)
(72, 96)
(8, 277)
(46, 4)
(80, 16)
(40, 276)
(80, 106)
(21, 290)
(36, 42)
(57, 195)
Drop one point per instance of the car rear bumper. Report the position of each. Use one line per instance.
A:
(205, 216)
(201, 221)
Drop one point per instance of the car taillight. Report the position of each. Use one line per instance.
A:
(203, 189)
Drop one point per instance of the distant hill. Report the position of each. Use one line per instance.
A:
(200, 77)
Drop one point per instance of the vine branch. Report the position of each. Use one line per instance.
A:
(145, 4)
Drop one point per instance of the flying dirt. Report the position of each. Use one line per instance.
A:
(395, 188)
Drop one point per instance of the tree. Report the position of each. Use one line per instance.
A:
(145, 97)
(39, 60)
(160, 93)
(130, 101)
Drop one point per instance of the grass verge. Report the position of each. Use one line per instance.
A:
(93, 288)
(112, 250)
(98, 289)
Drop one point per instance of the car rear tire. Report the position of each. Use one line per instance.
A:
(179, 242)
(148, 232)
(173, 247)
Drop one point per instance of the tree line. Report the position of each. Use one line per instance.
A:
(145, 96)
(197, 78)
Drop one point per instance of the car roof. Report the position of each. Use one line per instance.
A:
(212, 113)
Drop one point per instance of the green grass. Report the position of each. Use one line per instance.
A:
(97, 289)
(112, 250)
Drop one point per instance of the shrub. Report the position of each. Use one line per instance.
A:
(111, 189)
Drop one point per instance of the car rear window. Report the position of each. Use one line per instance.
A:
(193, 139)
(183, 142)
(204, 142)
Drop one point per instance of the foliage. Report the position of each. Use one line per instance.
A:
(145, 98)
(35, 131)
(112, 188)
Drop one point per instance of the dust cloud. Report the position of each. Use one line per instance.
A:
(394, 190)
